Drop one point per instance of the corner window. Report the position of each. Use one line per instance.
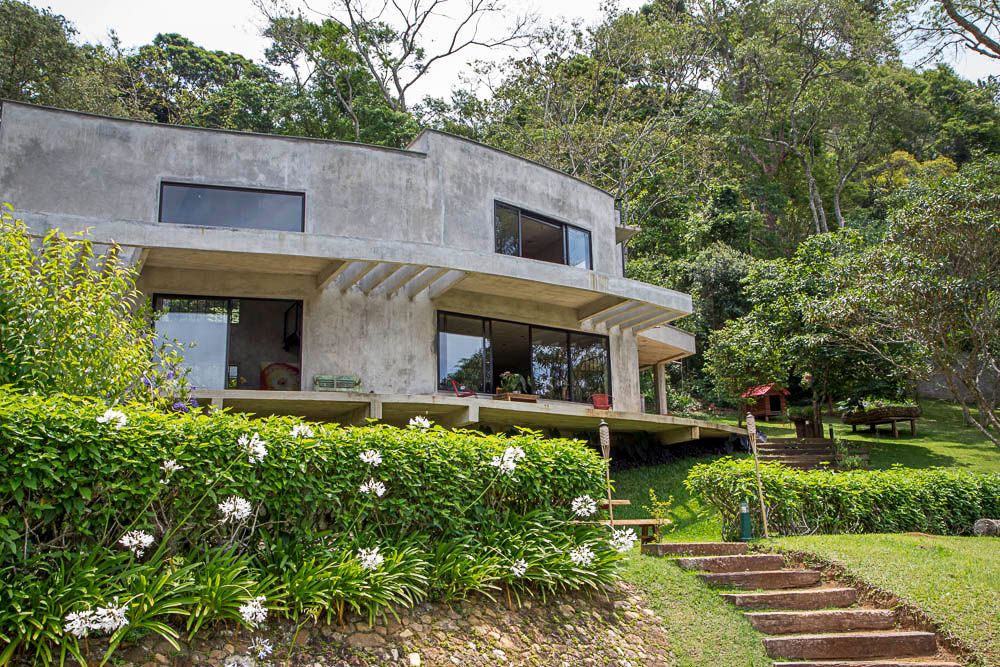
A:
(524, 234)
(214, 206)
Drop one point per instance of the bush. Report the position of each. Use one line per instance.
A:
(932, 500)
(170, 523)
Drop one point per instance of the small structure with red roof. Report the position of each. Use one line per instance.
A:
(768, 401)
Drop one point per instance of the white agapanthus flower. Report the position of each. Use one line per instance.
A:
(371, 486)
(371, 457)
(112, 416)
(582, 555)
(507, 462)
(519, 567)
(235, 509)
(584, 506)
(420, 422)
(370, 559)
(136, 541)
(256, 447)
(78, 623)
(111, 618)
(170, 466)
(254, 612)
(623, 539)
(261, 647)
(301, 431)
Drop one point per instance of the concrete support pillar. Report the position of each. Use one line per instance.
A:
(660, 385)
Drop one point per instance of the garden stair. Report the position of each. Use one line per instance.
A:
(805, 620)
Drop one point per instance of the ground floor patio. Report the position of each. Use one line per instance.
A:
(461, 412)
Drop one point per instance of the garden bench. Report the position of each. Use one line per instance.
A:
(895, 425)
(646, 527)
(890, 414)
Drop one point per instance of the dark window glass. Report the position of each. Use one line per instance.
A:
(578, 248)
(589, 358)
(506, 230)
(549, 368)
(511, 347)
(523, 234)
(461, 352)
(229, 207)
(234, 343)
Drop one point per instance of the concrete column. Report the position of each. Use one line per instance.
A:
(660, 385)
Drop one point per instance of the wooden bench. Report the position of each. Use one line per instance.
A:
(889, 420)
(603, 504)
(646, 527)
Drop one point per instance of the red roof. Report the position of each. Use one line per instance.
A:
(761, 390)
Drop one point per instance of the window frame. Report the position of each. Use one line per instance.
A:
(234, 188)
(487, 386)
(564, 228)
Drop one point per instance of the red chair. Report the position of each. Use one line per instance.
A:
(461, 390)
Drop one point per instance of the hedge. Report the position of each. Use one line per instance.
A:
(931, 500)
(72, 480)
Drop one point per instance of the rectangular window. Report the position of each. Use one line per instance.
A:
(235, 343)
(559, 364)
(524, 234)
(215, 206)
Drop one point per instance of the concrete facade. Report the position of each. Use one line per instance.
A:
(390, 238)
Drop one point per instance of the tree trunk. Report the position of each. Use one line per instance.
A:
(836, 207)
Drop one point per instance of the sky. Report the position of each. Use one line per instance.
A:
(234, 25)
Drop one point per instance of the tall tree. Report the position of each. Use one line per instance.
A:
(956, 24)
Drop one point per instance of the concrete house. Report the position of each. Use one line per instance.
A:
(423, 273)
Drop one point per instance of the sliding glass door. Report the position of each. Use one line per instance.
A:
(561, 365)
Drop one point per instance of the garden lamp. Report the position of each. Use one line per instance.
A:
(752, 433)
(605, 435)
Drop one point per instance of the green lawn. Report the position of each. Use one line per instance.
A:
(954, 579)
(704, 631)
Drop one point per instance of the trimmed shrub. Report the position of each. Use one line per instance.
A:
(71, 479)
(932, 500)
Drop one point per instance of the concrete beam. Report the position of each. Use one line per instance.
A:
(461, 418)
(400, 280)
(621, 309)
(685, 434)
(332, 271)
(428, 276)
(633, 315)
(445, 283)
(378, 276)
(598, 307)
(657, 320)
(351, 277)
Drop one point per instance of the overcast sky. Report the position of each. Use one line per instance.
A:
(234, 25)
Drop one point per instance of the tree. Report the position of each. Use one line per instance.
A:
(72, 321)
(780, 341)
(37, 56)
(392, 40)
(956, 24)
(932, 285)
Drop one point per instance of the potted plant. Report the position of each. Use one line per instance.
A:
(515, 387)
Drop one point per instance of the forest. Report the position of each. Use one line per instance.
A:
(780, 157)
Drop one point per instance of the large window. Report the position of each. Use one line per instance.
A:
(213, 206)
(528, 235)
(562, 365)
(235, 343)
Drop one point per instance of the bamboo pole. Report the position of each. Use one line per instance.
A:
(605, 434)
(752, 433)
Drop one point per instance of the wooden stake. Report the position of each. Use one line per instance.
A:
(752, 432)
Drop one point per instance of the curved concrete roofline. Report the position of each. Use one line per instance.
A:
(135, 233)
(184, 128)
(501, 151)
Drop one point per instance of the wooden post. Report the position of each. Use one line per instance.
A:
(752, 432)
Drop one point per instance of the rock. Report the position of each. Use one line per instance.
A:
(405, 634)
(302, 638)
(162, 659)
(414, 659)
(364, 639)
(217, 654)
(499, 655)
(566, 610)
(632, 616)
(986, 528)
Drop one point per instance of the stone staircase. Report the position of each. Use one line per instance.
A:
(807, 622)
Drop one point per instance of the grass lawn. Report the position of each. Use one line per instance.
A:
(704, 631)
(954, 579)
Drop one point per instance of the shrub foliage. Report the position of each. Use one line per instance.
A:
(932, 500)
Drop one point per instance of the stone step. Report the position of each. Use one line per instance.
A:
(799, 441)
(813, 598)
(765, 580)
(852, 645)
(785, 451)
(811, 622)
(695, 549)
(868, 663)
(755, 562)
(797, 458)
